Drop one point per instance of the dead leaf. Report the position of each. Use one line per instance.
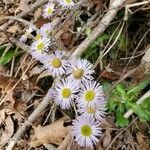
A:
(37, 14)
(108, 123)
(40, 21)
(130, 1)
(110, 75)
(8, 2)
(10, 99)
(3, 38)
(36, 70)
(68, 25)
(14, 29)
(7, 122)
(107, 138)
(3, 113)
(3, 70)
(97, 3)
(66, 38)
(53, 133)
(6, 83)
(23, 5)
(20, 107)
(143, 141)
(19, 94)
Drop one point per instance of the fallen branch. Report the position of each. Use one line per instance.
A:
(104, 23)
(17, 19)
(108, 17)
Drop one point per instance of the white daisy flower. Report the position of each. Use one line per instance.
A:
(86, 132)
(66, 3)
(46, 29)
(81, 70)
(23, 38)
(38, 55)
(56, 63)
(48, 10)
(96, 111)
(27, 34)
(65, 93)
(39, 35)
(91, 94)
(39, 47)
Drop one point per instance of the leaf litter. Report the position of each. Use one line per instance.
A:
(18, 107)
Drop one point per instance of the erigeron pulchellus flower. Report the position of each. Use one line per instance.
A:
(56, 63)
(96, 111)
(46, 29)
(39, 47)
(27, 34)
(86, 132)
(66, 3)
(48, 10)
(39, 35)
(91, 94)
(80, 70)
(65, 93)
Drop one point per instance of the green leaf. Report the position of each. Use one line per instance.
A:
(121, 120)
(139, 87)
(101, 39)
(121, 108)
(122, 42)
(7, 57)
(140, 111)
(1, 50)
(106, 86)
(111, 105)
(146, 103)
(122, 92)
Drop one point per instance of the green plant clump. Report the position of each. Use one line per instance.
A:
(124, 98)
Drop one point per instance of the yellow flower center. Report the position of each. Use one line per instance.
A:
(66, 92)
(78, 73)
(56, 63)
(38, 37)
(40, 46)
(90, 110)
(89, 95)
(86, 130)
(68, 1)
(47, 32)
(49, 11)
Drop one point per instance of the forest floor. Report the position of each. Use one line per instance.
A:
(114, 36)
